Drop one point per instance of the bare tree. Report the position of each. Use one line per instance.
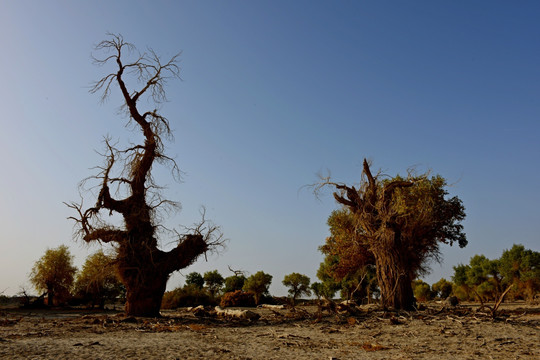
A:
(126, 186)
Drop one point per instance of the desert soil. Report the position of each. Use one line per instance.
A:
(435, 332)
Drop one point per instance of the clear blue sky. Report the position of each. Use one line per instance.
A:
(272, 93)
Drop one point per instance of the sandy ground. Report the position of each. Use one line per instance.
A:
(459, 333)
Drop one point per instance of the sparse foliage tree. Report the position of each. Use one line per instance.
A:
(442, 288)
(298, 285)
(54, 273)
(97, 282)
(401, 221)
(125, 184)
(196, 279)
(258, 284)
(517, 271)
(318, 290)
(213, 281)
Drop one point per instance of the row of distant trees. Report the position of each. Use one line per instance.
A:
(235, 290)
(97, 283)
(55, 276)
(484, 279)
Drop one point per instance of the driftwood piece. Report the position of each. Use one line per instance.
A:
(493, 310)
(272, 307)
(199, 311)
(237, 314)
(451, 301)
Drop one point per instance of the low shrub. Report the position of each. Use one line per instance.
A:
(189, 295)
(238, 298)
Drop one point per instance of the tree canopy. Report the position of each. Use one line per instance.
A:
(345, 246)
(54, 273)
(486, 279)
(348, 264)
(521, 267)
(258, 284)
(196, 279)
(97, 282)
(234, 283)
(213, 281)
(298, 285)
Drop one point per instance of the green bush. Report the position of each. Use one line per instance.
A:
(189, 295)
(422, 291)
(238, 298)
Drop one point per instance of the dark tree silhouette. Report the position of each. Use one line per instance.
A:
(401, 221)
(126, 186)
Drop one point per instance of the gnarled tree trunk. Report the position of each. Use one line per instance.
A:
(394, 277)
(144, 299)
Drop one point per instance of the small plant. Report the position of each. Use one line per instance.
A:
(238, 298)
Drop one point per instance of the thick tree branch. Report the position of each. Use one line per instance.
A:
(106, 235)
(187, 251)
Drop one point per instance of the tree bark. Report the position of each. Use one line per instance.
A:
(394, 276)
(145, 299)
(50, 296)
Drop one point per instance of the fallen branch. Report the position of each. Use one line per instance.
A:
(237, 314)
(501, 298)
(493, 310)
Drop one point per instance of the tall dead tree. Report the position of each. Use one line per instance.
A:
(126, 186)
(401, 221)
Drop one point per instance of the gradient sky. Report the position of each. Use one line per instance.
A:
(272, 93)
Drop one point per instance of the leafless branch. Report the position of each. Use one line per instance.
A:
(237, 272)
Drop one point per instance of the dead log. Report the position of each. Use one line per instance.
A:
(237, 314)
(272, 307)
(199, 311)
